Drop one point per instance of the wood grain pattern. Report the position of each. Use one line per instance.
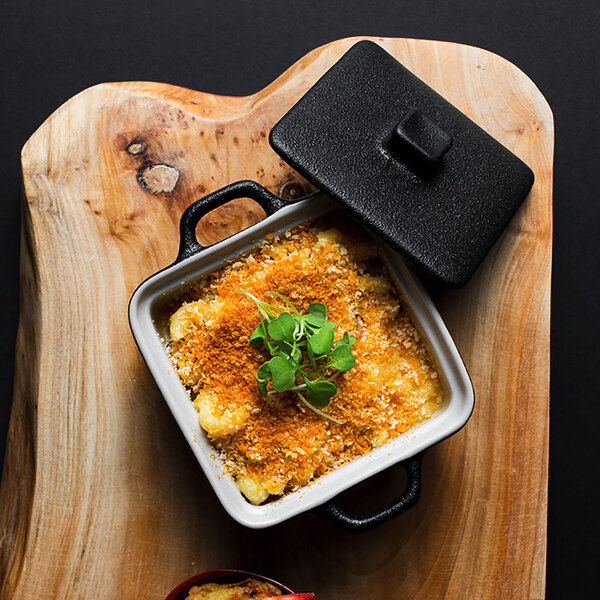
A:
(100, 496)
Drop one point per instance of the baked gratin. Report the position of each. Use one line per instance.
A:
(273, 450)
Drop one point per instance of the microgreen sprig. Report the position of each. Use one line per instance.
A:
(304, 358)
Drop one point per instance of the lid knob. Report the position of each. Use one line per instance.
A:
(417, 137)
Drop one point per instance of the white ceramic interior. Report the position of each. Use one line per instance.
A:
(150, 331)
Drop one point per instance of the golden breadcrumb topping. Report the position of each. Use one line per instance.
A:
(275, 450)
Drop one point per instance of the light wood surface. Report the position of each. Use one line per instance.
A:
(101, 497)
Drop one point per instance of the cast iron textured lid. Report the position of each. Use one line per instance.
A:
(405, 162)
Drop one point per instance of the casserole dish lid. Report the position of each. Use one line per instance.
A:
(405, 162)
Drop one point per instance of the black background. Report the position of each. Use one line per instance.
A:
(49, 51)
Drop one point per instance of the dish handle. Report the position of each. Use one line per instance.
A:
(188, 243)
(360, 524)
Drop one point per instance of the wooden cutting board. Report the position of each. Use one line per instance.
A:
(101, 497)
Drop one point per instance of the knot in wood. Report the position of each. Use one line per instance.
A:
(136, 148)
(291, 190)
(158, 178)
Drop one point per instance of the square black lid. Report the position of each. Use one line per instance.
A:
(405, 162)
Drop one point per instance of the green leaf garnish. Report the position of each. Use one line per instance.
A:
(282, 327)
(322, 340)
(283, 373)
(258, 336)
(262, 386)
(320, 392)
(342, 357)
(264, 372)
(304, 359)
(346, 339)
(317, 314)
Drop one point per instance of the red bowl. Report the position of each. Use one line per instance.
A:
(220, 576)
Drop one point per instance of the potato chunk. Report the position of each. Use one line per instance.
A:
(258, 491)
(253, 490)
(218, 420)
(192, 314)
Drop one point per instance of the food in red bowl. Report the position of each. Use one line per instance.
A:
(232, 584)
